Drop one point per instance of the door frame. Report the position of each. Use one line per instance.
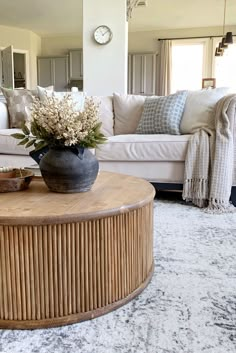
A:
(27, 69)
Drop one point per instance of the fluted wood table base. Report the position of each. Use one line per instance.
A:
(69, 258)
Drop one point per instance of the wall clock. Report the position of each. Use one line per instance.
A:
(102, 35)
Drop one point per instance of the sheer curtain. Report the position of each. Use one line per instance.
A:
(165, 67)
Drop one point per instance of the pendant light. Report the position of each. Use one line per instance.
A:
(229, 38)
(226, 39)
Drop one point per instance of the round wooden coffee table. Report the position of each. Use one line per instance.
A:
(65, 258)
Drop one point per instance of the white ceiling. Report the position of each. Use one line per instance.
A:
(167, 14)
(55, 17)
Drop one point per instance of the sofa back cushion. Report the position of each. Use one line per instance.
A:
(128, 109)
(199, 109)
(106, 114)
(162, 115)
(78, 98)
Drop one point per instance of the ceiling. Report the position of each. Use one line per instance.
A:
(57, 17)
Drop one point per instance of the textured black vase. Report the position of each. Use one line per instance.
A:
(69, 169)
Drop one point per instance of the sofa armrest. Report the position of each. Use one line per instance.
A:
(231, 112)
(4, 120)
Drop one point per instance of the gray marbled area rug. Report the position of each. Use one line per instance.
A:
(188, 307)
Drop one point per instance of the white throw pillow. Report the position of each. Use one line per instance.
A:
(36, 91)
(128, 109)
(199, 109)
(77, 97)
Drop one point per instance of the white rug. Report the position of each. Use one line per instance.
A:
(189, 306)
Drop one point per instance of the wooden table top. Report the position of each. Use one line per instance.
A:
(111, 194)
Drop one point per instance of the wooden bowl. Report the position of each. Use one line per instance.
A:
(19, 179)
(5, 175)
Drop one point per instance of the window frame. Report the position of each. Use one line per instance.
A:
(207, 45)
(216, 41)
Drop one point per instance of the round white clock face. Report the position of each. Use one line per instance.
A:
(102, 34)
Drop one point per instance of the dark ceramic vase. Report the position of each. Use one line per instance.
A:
(69, 169)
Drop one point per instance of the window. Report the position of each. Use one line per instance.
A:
(188, 65)
(225, 67)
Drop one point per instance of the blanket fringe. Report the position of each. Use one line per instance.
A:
(196, 191)
(219, 207)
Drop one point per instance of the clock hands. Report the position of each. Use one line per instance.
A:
(103, 34)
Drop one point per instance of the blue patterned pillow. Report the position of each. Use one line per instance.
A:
(162, 115)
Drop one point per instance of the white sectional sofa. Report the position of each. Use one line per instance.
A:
(158, 158)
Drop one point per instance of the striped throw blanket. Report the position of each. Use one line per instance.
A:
(209, 164)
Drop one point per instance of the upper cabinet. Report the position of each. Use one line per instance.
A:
(142, 74)
(63, 72)
(53, 71)
(76, 64)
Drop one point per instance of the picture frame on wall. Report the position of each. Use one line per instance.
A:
(208, 83)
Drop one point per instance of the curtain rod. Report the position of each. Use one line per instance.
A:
(191, 37)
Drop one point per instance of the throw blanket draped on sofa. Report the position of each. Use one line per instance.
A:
(210, 161)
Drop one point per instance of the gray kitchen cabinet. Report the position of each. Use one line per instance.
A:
(53, 71)
(76, 64)
(143, 74)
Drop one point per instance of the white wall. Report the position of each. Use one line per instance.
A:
(26, 41)
(59, 45)
(35, 51)
(105, 66)
(137, 41)
(148, 41)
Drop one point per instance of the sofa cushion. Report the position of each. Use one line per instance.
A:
(13, 161)
(144, 148)
(18, 100)
(77, 97)
(106, 114)
(128, 109)
(162, 115)
(199, 109)
(9, 145)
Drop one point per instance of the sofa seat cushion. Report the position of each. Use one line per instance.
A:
(144, 148)
(9, 145)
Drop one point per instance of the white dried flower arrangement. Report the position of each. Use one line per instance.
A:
(56, 122)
